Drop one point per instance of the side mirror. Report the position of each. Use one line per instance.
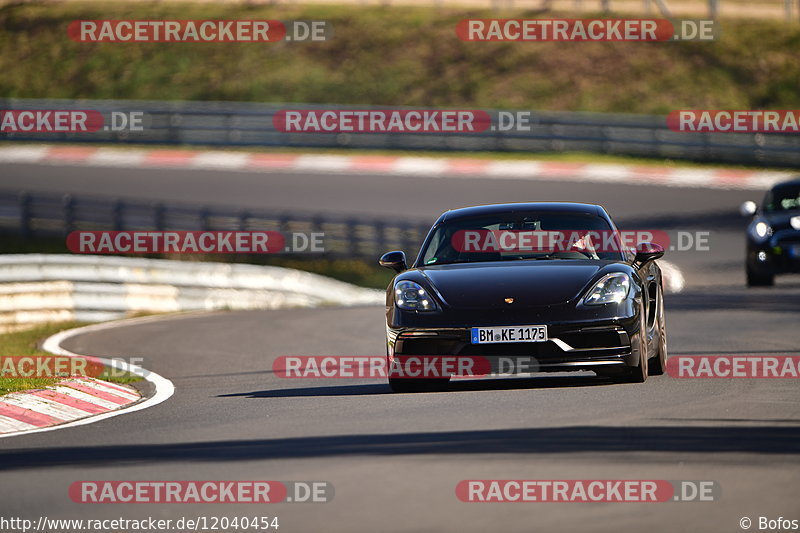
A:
(748, 208)
(648, 251)
(394, 260)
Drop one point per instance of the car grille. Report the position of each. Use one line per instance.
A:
(588, 343)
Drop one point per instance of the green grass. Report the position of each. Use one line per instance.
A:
(400, 55)
(26, 343)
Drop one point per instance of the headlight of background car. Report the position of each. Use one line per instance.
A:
(760, 230)
(612, 288)
(412, 297)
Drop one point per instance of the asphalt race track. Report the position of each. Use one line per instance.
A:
(395, 460)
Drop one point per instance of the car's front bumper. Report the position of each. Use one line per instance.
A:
(587, 346)
(778, 255)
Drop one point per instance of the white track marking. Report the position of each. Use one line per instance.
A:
(111, 157)
(23, 154)
(221, 160)
(420, 165)
(322, 163)
(518, 169)
(163, 387)
(606, 173)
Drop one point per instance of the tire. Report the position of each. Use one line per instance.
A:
(658, 365)
(638, 374)
(415, 385)
(759, 279)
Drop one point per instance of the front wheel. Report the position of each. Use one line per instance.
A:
(638, 374)
(417, 385)
(659, 363)
(759, 279)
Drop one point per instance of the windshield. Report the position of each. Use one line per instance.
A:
(783, 199)
(522, 236)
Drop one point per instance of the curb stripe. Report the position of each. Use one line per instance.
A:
(84, 397)
(27, 400)
(70, 153)
(69, 401)
(21, 414)
(270, 161)
(97, 393)
(65, 402)
(719, 178)
(7, 425)
(112, 388)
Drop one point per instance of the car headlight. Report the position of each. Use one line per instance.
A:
(412, 297)
(612, 288)
(760, 230)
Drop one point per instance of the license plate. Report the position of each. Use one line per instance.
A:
(499, 334)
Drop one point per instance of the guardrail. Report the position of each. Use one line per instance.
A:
(52, 215)
(44, 288)
(249, 124)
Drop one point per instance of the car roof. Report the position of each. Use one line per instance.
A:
(794, 182)
(491, 209)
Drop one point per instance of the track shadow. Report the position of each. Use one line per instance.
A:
(737, 420)
(332, 390)
(544, 382)
(711, 439)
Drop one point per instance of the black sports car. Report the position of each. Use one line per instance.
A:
(575, 300)
(773, 235)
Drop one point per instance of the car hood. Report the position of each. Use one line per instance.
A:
(529, 283)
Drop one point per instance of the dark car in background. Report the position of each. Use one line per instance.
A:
(579, 306)
(773, 235)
